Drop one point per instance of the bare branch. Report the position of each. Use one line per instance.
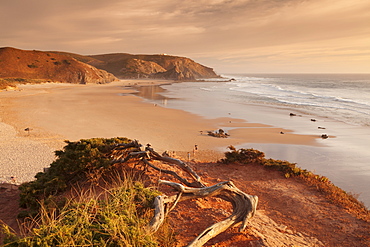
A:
(244, 206)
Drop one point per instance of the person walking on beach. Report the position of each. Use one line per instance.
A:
(195, 150)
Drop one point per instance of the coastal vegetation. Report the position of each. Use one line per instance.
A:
(98, 192)
(81, 200)
(117, 217)
(86, 159)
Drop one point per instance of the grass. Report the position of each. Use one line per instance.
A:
(82, 200)
(118, 216)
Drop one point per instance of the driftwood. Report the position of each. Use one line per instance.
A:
(244, 205)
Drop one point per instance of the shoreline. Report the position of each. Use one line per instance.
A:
(55, 112)
(343, 157)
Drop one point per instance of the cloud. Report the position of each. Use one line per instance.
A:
(211, 30)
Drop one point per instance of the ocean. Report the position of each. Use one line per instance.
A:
(339, 104)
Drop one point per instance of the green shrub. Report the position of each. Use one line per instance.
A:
(243, 156)
(116, 216)
(78, 160)
(16, 79)
(247, 156)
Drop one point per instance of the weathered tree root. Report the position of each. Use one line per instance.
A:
(244, 205)
(121, 155)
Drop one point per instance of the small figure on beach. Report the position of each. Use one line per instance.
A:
(281, 132)
(313, 120)
(321, 128)
(28, 130)
(195, 150)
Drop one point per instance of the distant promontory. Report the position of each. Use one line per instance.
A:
(159, 66)
(20, 66)
(37, 66)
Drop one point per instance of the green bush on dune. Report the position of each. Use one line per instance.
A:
(78, 160)
(116, 216)
(248, 156)
(321, 183)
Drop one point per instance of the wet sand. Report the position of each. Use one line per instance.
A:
(58, 112)
(343, 157)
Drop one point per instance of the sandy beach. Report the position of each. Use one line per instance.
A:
(57, 112)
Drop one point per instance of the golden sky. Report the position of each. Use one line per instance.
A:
(245, 36)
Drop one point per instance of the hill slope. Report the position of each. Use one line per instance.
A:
(290, 212)
(124, 65)
(47, 66)
(40, 66)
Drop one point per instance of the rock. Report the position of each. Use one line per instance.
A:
(174, 74)
(161, 66)
(137, 68)
(11, 88)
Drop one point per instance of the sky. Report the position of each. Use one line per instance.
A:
(231, 36)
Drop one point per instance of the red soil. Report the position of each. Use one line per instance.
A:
(289, 213)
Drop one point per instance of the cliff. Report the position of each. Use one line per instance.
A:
(22, 65)
(17, 66)
(126, 66)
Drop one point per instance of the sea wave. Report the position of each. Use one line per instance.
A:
(333, 95)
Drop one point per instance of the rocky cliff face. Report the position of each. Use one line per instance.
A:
(54, 66)
(132, 68)
(48, 66)
(125, 65)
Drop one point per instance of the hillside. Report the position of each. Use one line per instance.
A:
(37, 66)
(291, 211)
(20, 66)
(124, 65)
